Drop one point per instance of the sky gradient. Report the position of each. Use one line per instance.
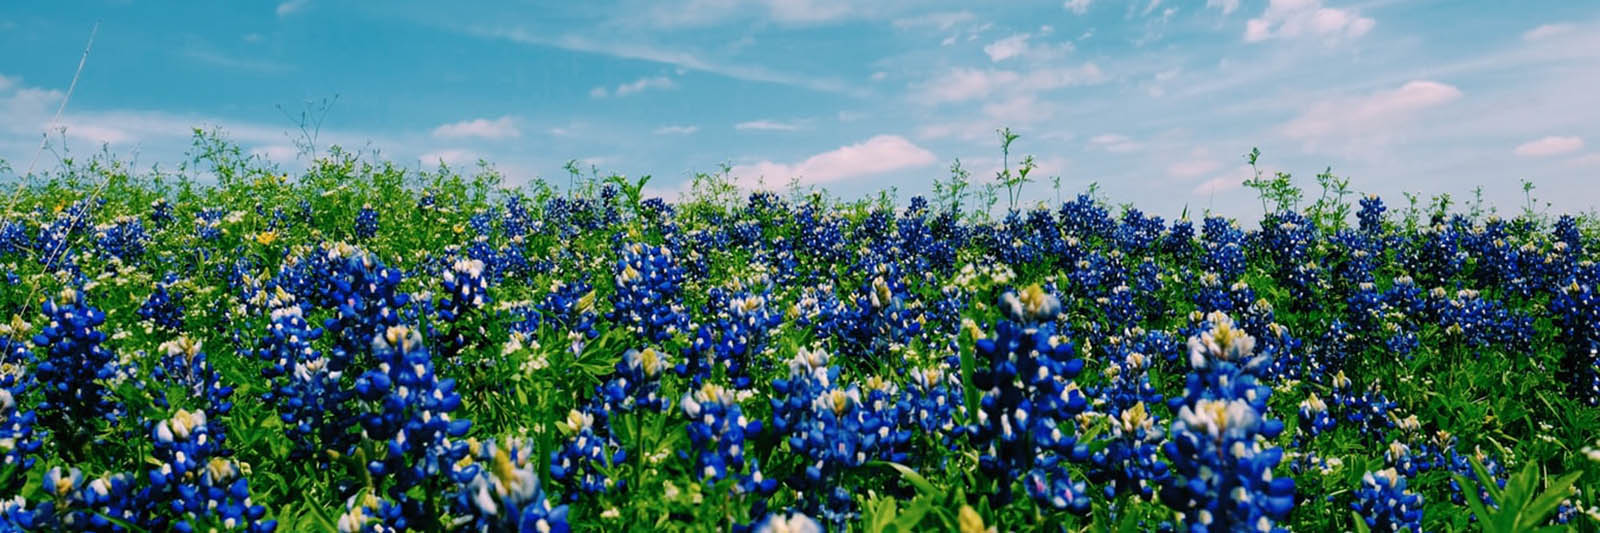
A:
(1153, 100)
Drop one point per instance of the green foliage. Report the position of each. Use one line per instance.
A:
(1518, 507)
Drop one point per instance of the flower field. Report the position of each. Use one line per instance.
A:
(362, 347)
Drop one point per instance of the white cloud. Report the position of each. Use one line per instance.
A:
(1007, 48)
(1547, 30)
(1288, 19)
(1077, 7)
(211, 56)
(641, 84)
(6, 83)
(291, 6)
(1022, 108)
(500, 128)
(676, 130)
(1150, 7)
(277, 153)
(1227, 6)
(808, 11)
(941, 21)
(1114, 143)
(1549, 146)
(684, 60)
(1374, 113)
(1586, 160)
(96, 133)
(766, 125)
(879, 75)
(454, 157)
(1226, 181)
(1198, 164)
(963, 84)
(880, 154)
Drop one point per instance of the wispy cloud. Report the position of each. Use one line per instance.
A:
(766, 125)
(1227, 6)
(499, 128)
(1288, 19)
(276, 152)
(454, 157)
(635, 86)
(1077, 7)
(676, 130)
(290, 7)
(878, 155)
(941, 21)
(1114, 143)
(1007, 48)
(213, 57)
(1198, 163)
(964, 84)
(1546, 31)
(681, 59)
(1371, 115)
(1549, 146)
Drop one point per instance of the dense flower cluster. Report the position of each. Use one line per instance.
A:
(586, 358)
(1222, 457)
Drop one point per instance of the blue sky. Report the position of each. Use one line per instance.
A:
(1154, 100)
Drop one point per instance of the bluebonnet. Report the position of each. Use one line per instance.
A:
(636, 383)
(571, 307)
(363, 291)
(1222, 459)
(75, 366)
(1129, 461)
(123, 239)
(647, 300)
(1314, 417)
(412, 417)
(308, 395)
(160, 213)
(194, 480)
(466, 290)
(736, 333)
(833, 428)
(1385, 503)
(208, 224)
(164, 307)
(582, 461)
(366, 224)
(781, 522)
(14, 237)
(1025, 425)
(1576, 309)
(500, 490)
(81, 504)
(365, 512)
(1371, 214)
(933, 398)
(18, 441)
(719, 433)
(184, 365)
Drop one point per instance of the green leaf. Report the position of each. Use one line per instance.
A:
(1485, 480)
(1541, 506)
(911, 476)
(1361, 523)
(969, 367)
(913, 515)
(1470, 494)
(322, 519)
